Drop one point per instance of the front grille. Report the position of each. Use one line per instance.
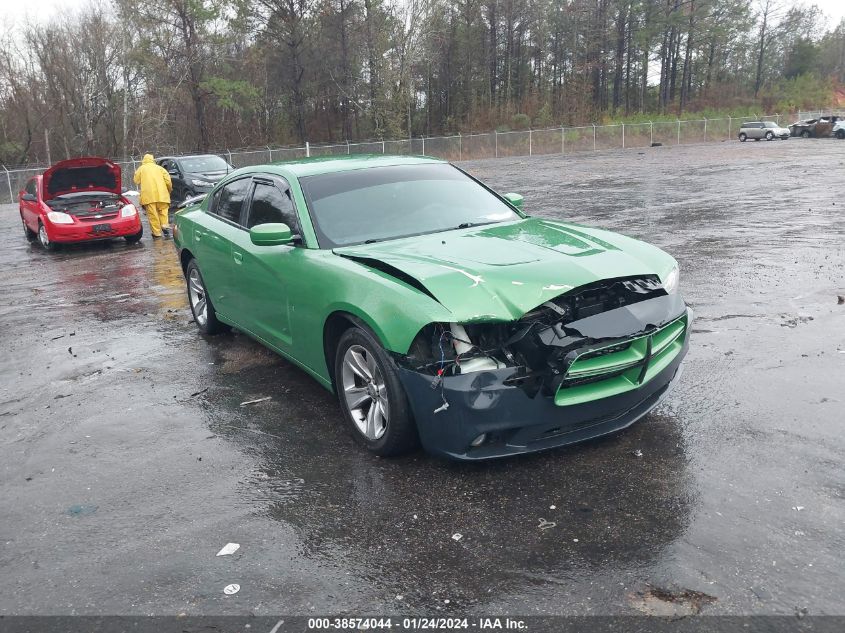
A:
(621, 367)
(100, 217)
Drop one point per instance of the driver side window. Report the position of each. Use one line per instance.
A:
(31, 186)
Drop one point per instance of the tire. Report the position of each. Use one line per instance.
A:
(840, 134)
(805, 134)
(742, 137)
(360, 363)
(201, 307)
(770, 136)
(44, 239)
(134, 239)
(31, 235)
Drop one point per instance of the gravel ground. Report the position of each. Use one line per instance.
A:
(127, 462)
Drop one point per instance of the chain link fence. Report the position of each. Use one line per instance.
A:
(558, 140)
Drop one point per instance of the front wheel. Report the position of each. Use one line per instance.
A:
(840, 134)
(44, 239)
(134, 239)
(769, 136)
(742, 137)
(371, 396)
(201, 307)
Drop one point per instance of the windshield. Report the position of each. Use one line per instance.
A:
(384, 203)
(770, 124)
(200, 164)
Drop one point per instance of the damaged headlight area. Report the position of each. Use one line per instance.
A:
(594, 333)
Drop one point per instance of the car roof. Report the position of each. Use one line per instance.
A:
(333, 164)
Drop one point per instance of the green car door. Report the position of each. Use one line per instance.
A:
(263, 274)
(212, 240)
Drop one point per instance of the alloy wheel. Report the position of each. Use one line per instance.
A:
(197, 295)
(365, 392)
(43, 237)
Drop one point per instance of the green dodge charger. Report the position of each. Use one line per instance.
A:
(435, 308)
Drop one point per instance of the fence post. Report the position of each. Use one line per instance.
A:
(270, 151)
(530, 142)
(496, 137)
(623, 136)
(651, 128)
(679, 131)
(594, 137)
(9, 180)
(307, 149)
(730, 120)
(382, 147)
(347, 147)
(777, 116)
(460, 147)
(423, 140)
(705, 129)
(230, 156)
(562, 141)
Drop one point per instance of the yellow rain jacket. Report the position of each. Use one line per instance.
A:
(154, 180)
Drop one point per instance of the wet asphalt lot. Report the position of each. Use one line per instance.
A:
(127, 461)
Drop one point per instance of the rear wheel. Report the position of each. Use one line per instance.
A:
(805, 134)
(371, 395)
(28, 232)
(201, 306)
(742, 137)
(44, 239)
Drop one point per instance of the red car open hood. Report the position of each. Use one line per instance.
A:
(75, 175)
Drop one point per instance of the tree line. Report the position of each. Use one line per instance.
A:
(122, 78)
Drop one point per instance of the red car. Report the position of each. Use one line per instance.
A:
(78, 200)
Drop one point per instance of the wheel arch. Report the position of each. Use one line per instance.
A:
(335, 325)
(185, 256)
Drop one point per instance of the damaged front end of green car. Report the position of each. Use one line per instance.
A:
(586, 363)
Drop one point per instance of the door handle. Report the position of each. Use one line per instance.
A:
(238, 256)
(198, 235)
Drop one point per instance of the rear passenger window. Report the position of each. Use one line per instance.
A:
(230, 201)
(270, 205)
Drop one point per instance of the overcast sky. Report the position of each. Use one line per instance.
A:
(16, 11)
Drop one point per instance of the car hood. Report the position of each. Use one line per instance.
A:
(211, 176)
(500, 272)
(77, 175)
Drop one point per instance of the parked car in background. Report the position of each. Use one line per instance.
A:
(78, 200)
(433, 307)
(839, 129)
(758, 130)
(193, 175)
(817, 128)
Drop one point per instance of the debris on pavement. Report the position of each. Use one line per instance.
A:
(546, 525)
(232, 589)
(457, 536)
(637, 453)
(229, 548)
(199, 393)
(243, 404)
(840, 299)
(798, 508)
(81, 510)
(663, 602)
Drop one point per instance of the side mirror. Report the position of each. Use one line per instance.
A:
(173, 172)
(515, 199)
(270, 234)
(29, 197)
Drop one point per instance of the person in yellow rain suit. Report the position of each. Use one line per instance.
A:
(155, 194)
